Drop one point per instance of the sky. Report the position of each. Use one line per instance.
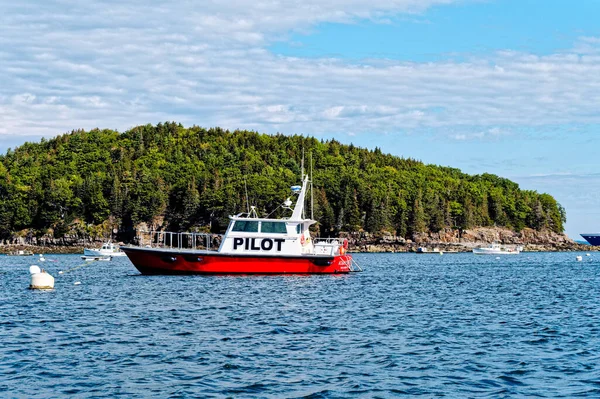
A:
(510, 87)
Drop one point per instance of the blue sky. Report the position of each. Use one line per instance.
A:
(456, 31)
(500, 86)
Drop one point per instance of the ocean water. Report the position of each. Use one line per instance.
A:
(455, 326)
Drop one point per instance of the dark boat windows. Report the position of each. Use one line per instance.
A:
(273, 227)
(248, 226)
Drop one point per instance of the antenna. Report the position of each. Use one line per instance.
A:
(302, 163)
(302, 178)
(312, 198)
(247, 203)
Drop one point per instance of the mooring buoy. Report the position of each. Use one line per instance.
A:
(40, 279)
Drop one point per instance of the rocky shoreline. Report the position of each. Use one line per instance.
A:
(451, 240)
(36, 249)
(448, 240)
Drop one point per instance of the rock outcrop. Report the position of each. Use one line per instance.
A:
(453, 240)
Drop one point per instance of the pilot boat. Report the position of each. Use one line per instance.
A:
(250, 245)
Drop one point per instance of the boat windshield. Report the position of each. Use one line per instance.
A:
(273, 227)
(248, 226)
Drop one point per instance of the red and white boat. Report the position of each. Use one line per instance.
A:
(251, 245)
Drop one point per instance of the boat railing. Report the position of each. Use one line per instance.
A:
(333, 246)
(328, 246)
(176, 240)
(331, 241)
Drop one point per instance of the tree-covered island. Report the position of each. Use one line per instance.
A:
(177, 178)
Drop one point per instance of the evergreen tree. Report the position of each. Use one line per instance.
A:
(194, 179)
(417, 224)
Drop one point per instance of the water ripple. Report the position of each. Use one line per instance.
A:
(410, 325)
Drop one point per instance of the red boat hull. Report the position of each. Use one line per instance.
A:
(152, 261)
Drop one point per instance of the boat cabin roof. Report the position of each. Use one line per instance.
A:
(283, 220)
(268, 226)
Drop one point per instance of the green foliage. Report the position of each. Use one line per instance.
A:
(194, 178)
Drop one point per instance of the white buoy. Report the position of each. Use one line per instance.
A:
(588, 254)
(579, 258)
(40, 279)
(42, 259)
(77, 283)
(497, 257)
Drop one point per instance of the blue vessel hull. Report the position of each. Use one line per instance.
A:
(593, 239)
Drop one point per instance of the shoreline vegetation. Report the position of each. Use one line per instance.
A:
(79, 188)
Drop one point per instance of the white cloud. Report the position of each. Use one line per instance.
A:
(488, 134)
(68, 64)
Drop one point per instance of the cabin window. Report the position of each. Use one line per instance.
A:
(248, 226)
(299, 229)
(273, 227)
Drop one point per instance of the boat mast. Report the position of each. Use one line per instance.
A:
(298, 213)
(302, 166)
(247, 201)
(312, 199)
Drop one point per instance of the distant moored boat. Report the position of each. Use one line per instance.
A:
(497, 249)
(20, 253)
(108, 249)
(592, 238)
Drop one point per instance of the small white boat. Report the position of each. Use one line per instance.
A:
(497, 249)
(20, 253)
(108, 249)
(425, 250)
(96, 258)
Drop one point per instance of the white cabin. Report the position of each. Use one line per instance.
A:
(250, 235)
(262, 236)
